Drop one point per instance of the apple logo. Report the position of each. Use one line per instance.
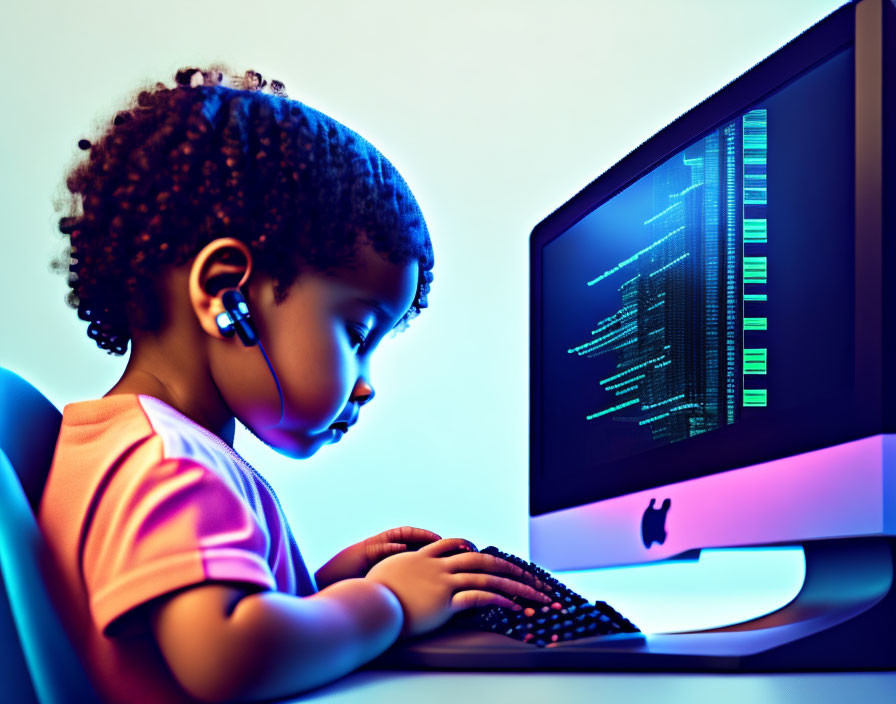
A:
(653, 524)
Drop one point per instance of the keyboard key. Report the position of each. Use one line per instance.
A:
(570, 616)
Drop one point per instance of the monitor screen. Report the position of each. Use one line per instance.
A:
(706, 306)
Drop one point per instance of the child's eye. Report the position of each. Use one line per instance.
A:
(358, 335)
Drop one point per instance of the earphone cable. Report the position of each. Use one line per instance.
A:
(276, 380)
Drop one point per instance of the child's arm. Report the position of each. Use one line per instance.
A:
(224, 643)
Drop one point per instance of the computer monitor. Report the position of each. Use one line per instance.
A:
(711, 320)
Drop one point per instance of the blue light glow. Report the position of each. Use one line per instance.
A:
(721, 588)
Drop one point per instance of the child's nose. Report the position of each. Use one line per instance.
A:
(363, 393)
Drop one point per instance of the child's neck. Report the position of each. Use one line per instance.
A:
(139, 380)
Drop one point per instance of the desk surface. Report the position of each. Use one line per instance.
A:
(401, 687)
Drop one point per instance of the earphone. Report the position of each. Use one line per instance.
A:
(235, 320)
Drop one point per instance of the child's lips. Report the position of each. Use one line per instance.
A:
(347, 419)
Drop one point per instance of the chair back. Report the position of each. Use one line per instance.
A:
(31, 629)
(29, 425)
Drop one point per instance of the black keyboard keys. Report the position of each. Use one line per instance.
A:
(569, 617)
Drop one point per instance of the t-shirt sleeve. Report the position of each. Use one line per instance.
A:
(170, 525)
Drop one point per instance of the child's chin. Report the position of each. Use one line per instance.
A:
(294, 454)
(294, 448)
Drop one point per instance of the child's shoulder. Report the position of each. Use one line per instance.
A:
(140, 432)
(99, 434)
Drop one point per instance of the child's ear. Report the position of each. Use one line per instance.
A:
(222, 264)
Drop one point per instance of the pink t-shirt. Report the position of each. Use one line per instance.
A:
(141, 501)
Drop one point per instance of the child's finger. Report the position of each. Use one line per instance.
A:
(483, 562)
(492, 582)
(445, 545)
(409, 534)
(380, 551)
(472, 598)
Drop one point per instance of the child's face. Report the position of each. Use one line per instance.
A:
(312, 341)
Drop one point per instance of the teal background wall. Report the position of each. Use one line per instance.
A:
(496, 112)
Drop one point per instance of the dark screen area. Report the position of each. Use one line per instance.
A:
(707, 305)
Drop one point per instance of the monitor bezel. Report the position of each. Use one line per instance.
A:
(828, 37)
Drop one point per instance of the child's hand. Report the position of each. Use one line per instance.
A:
(357, 559)
(432, 587)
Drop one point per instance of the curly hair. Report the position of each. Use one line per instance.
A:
(209, 158)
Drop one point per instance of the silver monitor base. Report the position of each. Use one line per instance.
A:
(842, 619)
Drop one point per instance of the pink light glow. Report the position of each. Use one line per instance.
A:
(833, 492)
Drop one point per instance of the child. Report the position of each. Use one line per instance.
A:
(209, 215)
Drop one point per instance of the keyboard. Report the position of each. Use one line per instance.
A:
(570, 617)
(570, 633)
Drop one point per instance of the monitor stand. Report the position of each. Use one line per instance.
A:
(842, 619)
